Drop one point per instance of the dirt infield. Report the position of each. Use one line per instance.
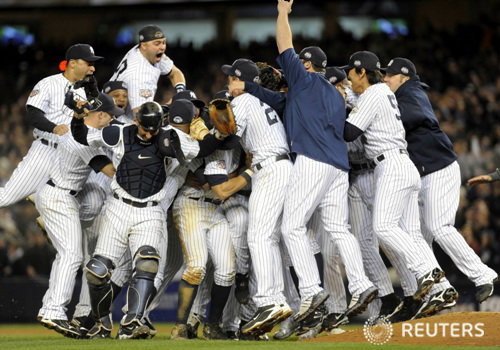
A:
(459, 329)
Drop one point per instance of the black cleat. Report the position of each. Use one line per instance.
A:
(426, 282)
(61, 326)
(360, 302)
(133, 330)
(390, 305)
(314, 321)
(407, 311)
(212, 331)
(334, 320)
(308, 306)
(266, 317)
(287, 328)
(437, 302)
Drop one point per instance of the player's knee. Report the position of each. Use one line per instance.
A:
(146, 262)
(99, 270)
(194, 275)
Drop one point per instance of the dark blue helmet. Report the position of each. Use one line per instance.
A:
(150, 115)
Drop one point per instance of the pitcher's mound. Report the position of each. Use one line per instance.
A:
(458, 328)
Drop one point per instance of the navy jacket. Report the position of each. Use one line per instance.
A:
(314, 114)
(429, 147)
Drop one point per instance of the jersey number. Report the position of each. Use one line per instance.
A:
(271, 115)
(394, 104)
(121, 68)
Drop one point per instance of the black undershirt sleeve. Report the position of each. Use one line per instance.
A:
(37, 119)
(351, 132)
(99, 162)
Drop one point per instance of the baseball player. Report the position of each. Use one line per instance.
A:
(397, 183)
(57, 204)
(49, 116)
(319, 179)
(142, 66)
(140, 153)
(262, 134)
(432, 153)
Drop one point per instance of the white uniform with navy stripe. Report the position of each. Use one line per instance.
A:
(263, 135)
(141, 78)
(60, 209)
(397, 181)
(33, 171)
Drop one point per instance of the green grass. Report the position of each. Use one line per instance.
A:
(35, 337)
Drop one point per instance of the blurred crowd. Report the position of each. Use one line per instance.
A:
(462, 68)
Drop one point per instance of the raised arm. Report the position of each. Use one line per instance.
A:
(283, 31)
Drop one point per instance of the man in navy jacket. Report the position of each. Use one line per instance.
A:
(432, 153)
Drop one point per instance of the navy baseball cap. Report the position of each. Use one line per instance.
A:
(150, 32)
(190, 96)
(335, 75)
(181, 111)
(224, 94)
(315, 55)
(363, 59)
(105, 103)
(114, 85)
(400, 65)
(82, 51)
(244, 69)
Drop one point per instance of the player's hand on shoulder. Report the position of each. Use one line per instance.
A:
(60, 129)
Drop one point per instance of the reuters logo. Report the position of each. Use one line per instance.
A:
(377, 331)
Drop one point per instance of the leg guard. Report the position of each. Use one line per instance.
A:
(100, 290)
(141, 289)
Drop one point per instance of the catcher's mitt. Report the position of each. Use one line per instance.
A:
(270, 77)
(222, 116)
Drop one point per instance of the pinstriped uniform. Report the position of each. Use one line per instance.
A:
(263, 135)
(438, 202)
(360, 197)
(33, 171)
(204, 230)
(141, 77)
(60, 212)
(397, 181)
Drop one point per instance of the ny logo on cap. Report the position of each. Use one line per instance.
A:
(237, 72)
(158, 34)
(91, 50)
(323, 64)
(405, 70)
(378, 65)
(332, 80)
(141, 37)
(390, 63)
(177, 119)
(192, 94)
(307, 55)
(357, 63)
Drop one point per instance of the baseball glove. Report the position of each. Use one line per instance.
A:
(270, 77)
(198, 129)
(222, 116)
(89, 84)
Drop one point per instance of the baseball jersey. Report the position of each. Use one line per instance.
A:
(377, 114)
(71, 168)
(140, 76)
(261, 130)
(48, 96)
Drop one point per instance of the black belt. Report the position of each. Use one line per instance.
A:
(48, 143)
(208, 200)
(382, 157)
(259, 166)
(134, 203)
(71, 192)
(361, 166)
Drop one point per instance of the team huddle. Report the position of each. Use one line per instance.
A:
(259, 195)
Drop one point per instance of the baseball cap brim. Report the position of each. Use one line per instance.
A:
(116, 111)
(198, 103)
(227, 69)
(92, 58)
(348, 67)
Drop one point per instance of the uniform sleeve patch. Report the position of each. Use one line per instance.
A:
(34, 93)
(145, 93)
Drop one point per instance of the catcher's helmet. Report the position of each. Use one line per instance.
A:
(150, 115)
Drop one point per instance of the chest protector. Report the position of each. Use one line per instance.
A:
(142, 169)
